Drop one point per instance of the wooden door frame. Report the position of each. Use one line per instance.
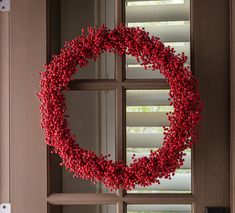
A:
(232, 105)
(4, 107)
(21, 140)
(12, 27)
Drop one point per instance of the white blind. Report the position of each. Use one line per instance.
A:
(138, 119)
(159, 208)
(146, 109)
(146, 116)
(167, 19)
(157, 12)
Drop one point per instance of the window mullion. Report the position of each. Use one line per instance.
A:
(120, 116)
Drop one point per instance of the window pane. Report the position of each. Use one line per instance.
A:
(67, 18)
(167, 19)
(159, 208)
(92, 120)
(83, 208)
(145, 117)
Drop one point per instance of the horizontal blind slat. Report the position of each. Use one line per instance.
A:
(144, 140)
(159, 208)
(179, 182)
(178, 46)
(141, 73)
(146, 119)
(156, 13)
(147, 98)
(170, 33)
(187, 158)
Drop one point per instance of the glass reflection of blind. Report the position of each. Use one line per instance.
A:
(146, 109)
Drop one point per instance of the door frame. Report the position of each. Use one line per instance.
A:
(22, 144)
(4, 106)
(232, 105)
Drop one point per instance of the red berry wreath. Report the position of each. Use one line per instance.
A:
(151, 52)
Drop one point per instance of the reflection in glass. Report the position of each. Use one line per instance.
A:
(92, 120)
(67, 18)
(159, 208)
(145, 117)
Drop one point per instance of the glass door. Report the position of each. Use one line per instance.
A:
(126, 119)
(117, 107)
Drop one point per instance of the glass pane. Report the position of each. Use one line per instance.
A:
(67, 18)
(92, 120)
(83, 208)
(159, 208)
(167, 19)
(145, 117)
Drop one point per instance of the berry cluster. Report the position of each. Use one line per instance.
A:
(151, 52)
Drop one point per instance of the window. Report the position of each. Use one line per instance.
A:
(118, 107)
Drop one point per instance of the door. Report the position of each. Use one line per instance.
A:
(126, 105)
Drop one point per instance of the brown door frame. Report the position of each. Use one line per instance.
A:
(21, 135)
(18, 42)
(4, 106)
(232, 105)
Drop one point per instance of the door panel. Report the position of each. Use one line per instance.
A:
(28, 164)
(211, 66)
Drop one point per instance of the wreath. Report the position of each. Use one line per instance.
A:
(152, 53)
